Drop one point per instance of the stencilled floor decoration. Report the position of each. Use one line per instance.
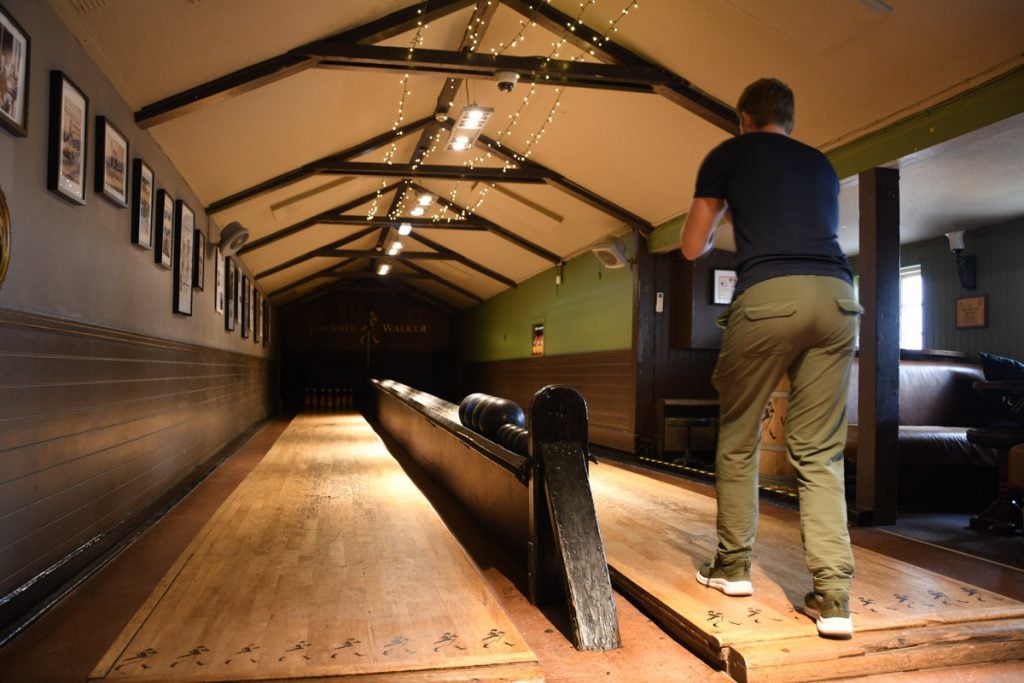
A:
(325, 562)
(657, 535)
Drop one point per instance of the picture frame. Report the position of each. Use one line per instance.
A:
(218, 280)
(723, 284)
(15, 60)
(110, 174)
(257, 314)
(230, 300)
(69, 133)
(5, 236)
(266, 321)
(972, 312)
(237, 294)
(184, 235)
(246, 313)
(199, 261)
(163, 240)
(143, 204)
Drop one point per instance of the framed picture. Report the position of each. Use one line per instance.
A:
(722, 286)
(164, 239)
(14, 63)
(230, 301)
(257, 314)
(266, 322)
(199, 263)
(5, 236)
(69, 119)
(111, 172)
(246, 312)
(971, 311)
(184, 234)
(218, 281)
(143, 198)
(236, 292)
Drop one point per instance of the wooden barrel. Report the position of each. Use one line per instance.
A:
(774, 467)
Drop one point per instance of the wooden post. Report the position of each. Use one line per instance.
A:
(878, 422)
(568, 550)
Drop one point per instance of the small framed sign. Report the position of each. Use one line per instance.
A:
(722, 286)
(972, 311)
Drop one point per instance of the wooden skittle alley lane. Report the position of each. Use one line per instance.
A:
(325, 561)
(657, 534)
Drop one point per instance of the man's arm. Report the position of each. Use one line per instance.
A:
(705, 212)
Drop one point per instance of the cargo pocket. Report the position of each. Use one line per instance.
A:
(765, 328)
(849, 306)
(775, 309)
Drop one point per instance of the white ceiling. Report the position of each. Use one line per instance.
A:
(856, 66)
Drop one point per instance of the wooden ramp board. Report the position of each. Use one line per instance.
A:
(657, 535)
(325, 562)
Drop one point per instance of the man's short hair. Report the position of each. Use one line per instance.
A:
(767, 101)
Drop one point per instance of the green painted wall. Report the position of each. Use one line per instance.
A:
(592, 310)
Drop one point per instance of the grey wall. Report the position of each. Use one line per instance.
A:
(110, 404)
(77, 262)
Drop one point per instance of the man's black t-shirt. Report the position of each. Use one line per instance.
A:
(784, 200)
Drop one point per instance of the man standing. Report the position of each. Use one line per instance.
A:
(793, 313)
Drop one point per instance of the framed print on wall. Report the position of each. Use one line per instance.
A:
(245, 306)
(14, 63)
(230, 300)
(199, 263)
(111, 172)
(218, 281)
(257, 314)
(164, 214)
(69, 119)
(266, 321)
(184, 234)
(143, 197)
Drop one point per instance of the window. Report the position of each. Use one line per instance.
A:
(911, 308)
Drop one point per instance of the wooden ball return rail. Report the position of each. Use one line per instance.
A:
(539, 507)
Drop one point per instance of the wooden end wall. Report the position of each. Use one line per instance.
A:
(606, 379)
(98, 430)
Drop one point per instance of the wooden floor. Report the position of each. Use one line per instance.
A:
(325, 561)
(66, 643)
(657, 534)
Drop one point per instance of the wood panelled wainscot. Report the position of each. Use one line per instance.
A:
(100, 429)
(606, 379)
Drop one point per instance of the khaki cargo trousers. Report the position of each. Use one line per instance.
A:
(802, 326)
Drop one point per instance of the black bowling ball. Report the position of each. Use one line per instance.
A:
(496, 413)
(506, 433)
(479, 409)
(467, 406)
(521, 443)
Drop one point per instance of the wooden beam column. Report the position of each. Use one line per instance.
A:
(878, 407)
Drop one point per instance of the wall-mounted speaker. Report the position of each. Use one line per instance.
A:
(611, 253)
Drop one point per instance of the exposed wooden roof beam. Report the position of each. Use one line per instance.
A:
(495, 228)
(478, 23)
(312, 276)
(310, 169)
(426, 273)
(323, 217)
(678, 90)
(566, 73)
(359, 234)
(427, 171)
(282, 66)
(576, 190)
(454, 256)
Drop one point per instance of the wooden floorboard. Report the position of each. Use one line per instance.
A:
(906, 617)
(325, 562)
